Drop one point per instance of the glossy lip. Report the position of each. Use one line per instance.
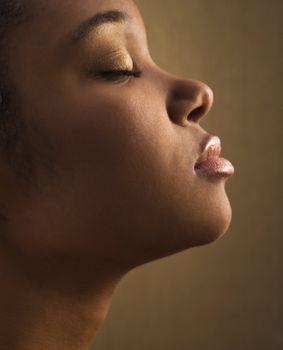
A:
(210, 163)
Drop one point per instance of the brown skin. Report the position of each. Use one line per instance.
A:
(112, 175)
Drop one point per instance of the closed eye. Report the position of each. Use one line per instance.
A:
(118, 73)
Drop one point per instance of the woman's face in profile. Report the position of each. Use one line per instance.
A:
(112, 140)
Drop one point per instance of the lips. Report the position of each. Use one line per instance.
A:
(210, 163)
(212, 149)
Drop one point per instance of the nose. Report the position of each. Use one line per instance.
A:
(188, 101)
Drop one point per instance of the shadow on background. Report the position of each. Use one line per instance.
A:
(227, 295)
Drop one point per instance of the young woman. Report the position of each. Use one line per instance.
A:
(104, 166)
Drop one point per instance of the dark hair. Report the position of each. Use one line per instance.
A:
(12, 13)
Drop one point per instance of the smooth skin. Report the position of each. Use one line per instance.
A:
(111, 180)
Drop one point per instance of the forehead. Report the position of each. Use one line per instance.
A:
(63, 17)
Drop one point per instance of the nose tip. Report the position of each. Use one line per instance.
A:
(191, 101)
(202, 102)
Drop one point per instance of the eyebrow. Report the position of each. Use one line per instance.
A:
(84, 29)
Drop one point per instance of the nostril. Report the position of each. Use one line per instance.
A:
(188, 101)
(196, 114)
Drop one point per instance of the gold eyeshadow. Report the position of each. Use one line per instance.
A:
(116, 59)
(107, 50)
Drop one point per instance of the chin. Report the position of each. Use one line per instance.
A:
(184, 225)
(186, 236)
(217, 226)
(211, 223)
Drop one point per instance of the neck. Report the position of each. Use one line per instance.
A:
(53, 303)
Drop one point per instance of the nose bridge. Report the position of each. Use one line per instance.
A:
(188, 100)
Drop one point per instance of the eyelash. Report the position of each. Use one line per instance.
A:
(122, 72)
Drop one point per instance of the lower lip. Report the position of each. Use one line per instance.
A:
(215, 167)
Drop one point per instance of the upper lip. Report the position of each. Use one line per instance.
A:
(211, 148)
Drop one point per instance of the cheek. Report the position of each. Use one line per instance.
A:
(117, 152)
(109, 129)
(118, 140)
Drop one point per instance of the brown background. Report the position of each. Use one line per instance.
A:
(227, 295)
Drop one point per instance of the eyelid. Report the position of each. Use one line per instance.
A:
(114, 58)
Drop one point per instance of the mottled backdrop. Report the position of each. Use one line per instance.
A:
(227, 295)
